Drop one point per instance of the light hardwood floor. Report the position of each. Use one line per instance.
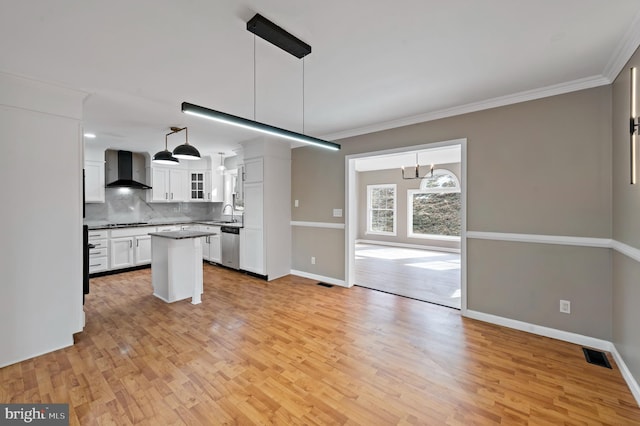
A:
(291, 352)
(432, 276)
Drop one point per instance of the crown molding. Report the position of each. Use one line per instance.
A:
(625, 50)
(528, 95)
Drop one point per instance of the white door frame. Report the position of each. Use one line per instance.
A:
(351, 209)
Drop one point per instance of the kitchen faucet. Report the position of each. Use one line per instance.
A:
(223, 209)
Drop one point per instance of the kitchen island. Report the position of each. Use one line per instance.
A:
(176, 265)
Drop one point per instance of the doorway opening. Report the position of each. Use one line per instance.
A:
(407, 236)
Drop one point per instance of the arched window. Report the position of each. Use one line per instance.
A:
(433, 211)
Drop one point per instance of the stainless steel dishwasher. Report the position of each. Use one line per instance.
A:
(230, 246)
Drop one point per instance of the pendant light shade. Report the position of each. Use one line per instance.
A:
(184, 151)
(165, 157)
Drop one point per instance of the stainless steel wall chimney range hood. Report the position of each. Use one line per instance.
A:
(121, 169)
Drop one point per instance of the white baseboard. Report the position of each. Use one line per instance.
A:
(578, 339)
(566, 336)
(407, 245)
(66, 344)
(626, 373)
(320, 278)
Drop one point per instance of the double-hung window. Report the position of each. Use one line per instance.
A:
(433, 211)
(381, 209)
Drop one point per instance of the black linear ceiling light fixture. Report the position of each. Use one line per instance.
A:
(277, 36)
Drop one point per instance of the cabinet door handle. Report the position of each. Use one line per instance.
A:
(97, 264)
(172, 195)
(166, 195)
(137, 243)
(130, 244)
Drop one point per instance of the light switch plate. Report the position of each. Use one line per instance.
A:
(296, 203)
(337, 212)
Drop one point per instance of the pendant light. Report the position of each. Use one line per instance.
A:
(165, 157)
(185, 151)
(221, 169)
(417, 173)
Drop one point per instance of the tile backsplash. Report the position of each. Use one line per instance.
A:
(124, 205)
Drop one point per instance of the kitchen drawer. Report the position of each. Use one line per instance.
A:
(98, 244)
(97, 252)
(97, 235)
(98, 264)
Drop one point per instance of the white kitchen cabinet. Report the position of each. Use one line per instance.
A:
(169, 185)
(205, 185)
(99, 254)
(265, 240)
(199, 185)
(252, 258)
(130, 247)
(253, 170)
(94, 181)
(252, 245)
(216, 193)
(211, 244)
(142, 250)
(121, 252)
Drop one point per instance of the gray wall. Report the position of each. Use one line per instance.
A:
(626, 229)
(394, 177)
(41, 237)
(538, 167)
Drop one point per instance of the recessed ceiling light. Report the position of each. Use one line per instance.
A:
(90, 135)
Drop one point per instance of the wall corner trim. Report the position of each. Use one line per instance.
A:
(626, 249)
(566, 336)
(321, 278)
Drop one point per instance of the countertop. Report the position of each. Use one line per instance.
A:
(98, 225)
(180, 235)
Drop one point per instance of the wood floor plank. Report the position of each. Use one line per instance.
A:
(290, 352)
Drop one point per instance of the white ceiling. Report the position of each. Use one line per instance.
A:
(374, 64)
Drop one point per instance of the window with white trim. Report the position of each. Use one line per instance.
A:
(433, 211)
(381, 209)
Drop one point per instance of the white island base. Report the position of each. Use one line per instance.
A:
(176, 265)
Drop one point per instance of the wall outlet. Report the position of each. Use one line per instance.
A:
(565, 306)
(313, 260)
(337, 212)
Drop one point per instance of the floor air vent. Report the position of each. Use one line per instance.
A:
(326, 285)
(596, 357)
